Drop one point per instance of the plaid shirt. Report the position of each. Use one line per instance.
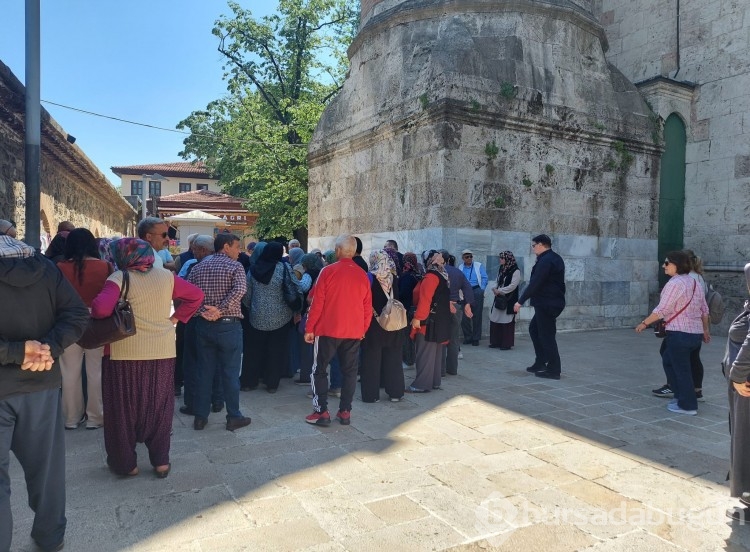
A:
(675, 295)
(223, 283)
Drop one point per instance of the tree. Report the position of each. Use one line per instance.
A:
(281, 72)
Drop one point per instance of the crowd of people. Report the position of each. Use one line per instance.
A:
(217, 321)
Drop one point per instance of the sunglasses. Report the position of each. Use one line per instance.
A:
(163, 234)
(667, 262)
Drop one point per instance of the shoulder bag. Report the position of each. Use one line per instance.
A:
(118, 325)
(393, 316)
(292, 293)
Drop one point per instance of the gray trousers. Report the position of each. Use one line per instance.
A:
(450, 359)
(31, 426)
(472, 327)
(429, 361)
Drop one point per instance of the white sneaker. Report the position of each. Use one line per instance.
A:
(460, 355)
(677, 410)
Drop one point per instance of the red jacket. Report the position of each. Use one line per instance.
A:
(340, 302)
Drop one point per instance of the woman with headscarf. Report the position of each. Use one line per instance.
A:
(381, 349)
(329, 256)
(269, 317)
(312, 264)
(503, 321)
(87, 273)
(431, 325)
(409, 279)
(138, 379)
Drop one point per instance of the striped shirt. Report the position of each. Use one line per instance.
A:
(222, 280)
(675, 295)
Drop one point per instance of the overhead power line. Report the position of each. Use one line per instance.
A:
(187, 133)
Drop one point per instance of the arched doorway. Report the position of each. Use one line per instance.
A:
(672, 190)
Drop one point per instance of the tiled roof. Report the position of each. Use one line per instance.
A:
(187, 169)
(200, 196)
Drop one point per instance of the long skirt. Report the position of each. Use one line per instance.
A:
(502, 336)
(138, 408)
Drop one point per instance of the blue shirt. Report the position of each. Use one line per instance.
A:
(471, 275)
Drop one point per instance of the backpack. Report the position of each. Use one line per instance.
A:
(393, 316)
(715, 305)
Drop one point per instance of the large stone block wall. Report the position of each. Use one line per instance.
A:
(713, 55)
(608, 280)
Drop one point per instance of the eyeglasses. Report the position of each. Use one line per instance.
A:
(667, 262)
(163, 234)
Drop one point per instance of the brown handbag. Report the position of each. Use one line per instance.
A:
(117, 326)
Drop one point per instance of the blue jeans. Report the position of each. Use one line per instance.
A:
(676, 362)
(218, 348)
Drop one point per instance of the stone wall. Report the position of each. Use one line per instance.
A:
(480, 124)
(72, 188)
(713, 56)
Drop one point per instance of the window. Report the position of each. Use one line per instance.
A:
(136, 187)
(201, 186)
(185, 186)
(154, 188)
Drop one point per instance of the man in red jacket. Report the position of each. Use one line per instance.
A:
(340, 313)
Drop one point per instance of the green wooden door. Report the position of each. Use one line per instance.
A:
(672, 190)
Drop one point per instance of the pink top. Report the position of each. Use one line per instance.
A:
(675, 295)
(190, 296)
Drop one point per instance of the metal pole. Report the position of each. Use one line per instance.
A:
(32, 154)
(144, 183)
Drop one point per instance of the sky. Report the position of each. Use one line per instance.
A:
(150, 61)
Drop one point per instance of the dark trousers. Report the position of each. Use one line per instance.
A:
(270, 356)
(676, 362)
(696, 366)
(472, 327)
(247, 351)
(347, 351)
(542, 329)
(450, 360)
(293, 343)
(381, 365)
(180, 356)
(219, 347)
(31, 426)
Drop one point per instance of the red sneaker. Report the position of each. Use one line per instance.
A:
(319, 418)
(344, 417)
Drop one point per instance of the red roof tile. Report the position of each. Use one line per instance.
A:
(195, 169)
(200, 196)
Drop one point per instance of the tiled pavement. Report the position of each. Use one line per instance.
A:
(497, 460)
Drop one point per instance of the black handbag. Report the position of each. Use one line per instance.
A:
(292, 294)
(500, 302)
(117, 326)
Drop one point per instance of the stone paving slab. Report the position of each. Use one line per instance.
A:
(496, 460)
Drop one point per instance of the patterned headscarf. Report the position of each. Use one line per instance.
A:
(393, 254)
(132, 254)
(11, 248)
(105, 253)
(510, 265)
(383, 268)
(412, 265)
(432, 256)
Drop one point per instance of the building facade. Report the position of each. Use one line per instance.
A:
(180, 177)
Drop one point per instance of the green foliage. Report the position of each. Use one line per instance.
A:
(475, 106)
(424, 101)
(281, 71)
(491, 150)
(624, 159)
(549, 169)
(597, 125)
(508, 90)
(499, 202)
(526, 182)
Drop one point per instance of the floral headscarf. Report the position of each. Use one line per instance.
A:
(412, 265)
(132, 254)
(510, 265)
(431, 263)
(383, 268)
(105, 253)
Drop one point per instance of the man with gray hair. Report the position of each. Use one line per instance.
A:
(44, 315)
(155, 231)
(340, 313)
(185, 256)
